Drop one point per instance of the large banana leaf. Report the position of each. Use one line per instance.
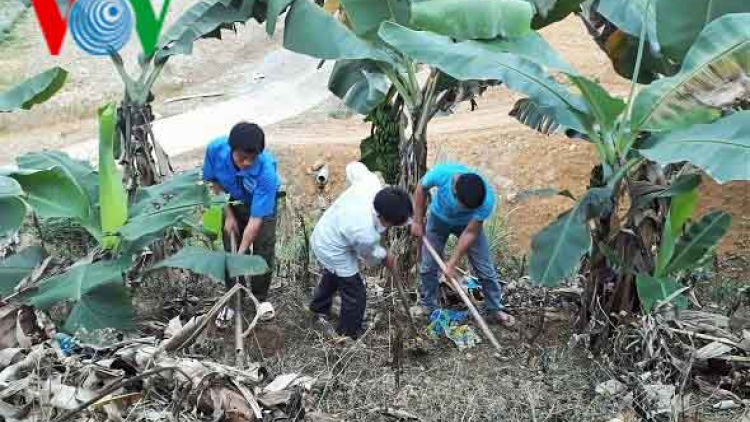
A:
(476, 60)
(213, 264)
(310, 30)
(205, 19)
(711, 76)
(474, 19)
(33, 91)
(12, 207)
(361, 84)
(81, 172)
(721, 149)
(113, 199)
(558, 248)
(548, 12)
(17, 267)
(681, 21)
(159, 207)
(96, 291)
(52, 193)
(365, 16)
(700, 239)
(652, 290)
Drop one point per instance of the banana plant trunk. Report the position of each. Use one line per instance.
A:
(623, 245)
(144, 161)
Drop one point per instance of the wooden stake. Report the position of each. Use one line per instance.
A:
(457, 287)
(239, 347)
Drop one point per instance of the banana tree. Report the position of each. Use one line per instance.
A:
(144, 160)
(53, 185)
(631, 224)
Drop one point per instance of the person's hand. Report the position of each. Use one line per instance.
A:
(450, 271)
(231, 228)
(417, 229)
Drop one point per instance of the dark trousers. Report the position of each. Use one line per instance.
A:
(353, 301)
(264, 246)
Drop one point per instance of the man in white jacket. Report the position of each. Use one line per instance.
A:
(350, 230)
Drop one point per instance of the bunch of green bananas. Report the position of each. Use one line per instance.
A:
(380, 151)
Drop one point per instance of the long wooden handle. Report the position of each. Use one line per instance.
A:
(457, 287)
(239, 346)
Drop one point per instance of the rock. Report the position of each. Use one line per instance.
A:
(610, 388)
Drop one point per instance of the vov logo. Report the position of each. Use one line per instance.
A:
(100, 27)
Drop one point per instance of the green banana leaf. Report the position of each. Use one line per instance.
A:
(361, 84)
(33, 91)
(711, 74)
(473, 19)
(159, 207)
(96, 291)
(81, 172)
(476, 60)
(681, 21)
(12, 207)
(365, 16)
(721, 149)
(699, 240)
(605, 108)
(310, 30)
(214, 264)
(53, 194)
(652, 290)
(112, 196)
(205, 19)
(556, 251)
(17, 267)
(681, 209)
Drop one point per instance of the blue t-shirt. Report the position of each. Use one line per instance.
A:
(445, 205)
(255, 186)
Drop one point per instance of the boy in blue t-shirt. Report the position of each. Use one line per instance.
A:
(239, 165)
(462, 202)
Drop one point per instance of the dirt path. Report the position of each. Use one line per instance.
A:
(511, 155)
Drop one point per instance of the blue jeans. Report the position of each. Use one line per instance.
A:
(437, 233)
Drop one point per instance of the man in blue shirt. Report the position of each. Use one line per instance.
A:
(240, 166)
(463, 201)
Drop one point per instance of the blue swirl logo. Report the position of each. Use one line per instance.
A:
(101, 27)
